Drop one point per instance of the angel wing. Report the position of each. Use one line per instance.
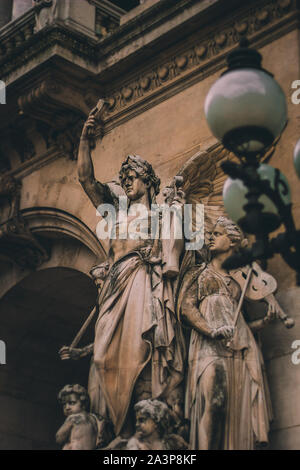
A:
(203, 180)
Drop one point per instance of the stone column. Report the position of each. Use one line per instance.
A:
(5, 11)
(20, 7)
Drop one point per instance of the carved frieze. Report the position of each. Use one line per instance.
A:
(196, 58)
(23, 45)
(160, 76)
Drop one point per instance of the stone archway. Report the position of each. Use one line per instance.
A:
(40, 311)
(70, 243)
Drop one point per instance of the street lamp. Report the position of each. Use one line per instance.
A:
(246, 110)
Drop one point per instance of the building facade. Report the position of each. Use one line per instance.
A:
(154, 63)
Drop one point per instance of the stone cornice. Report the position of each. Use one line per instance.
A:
(155, 66)
(19, 43)
(16, 55)
(199, 56)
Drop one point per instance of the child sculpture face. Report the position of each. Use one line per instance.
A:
(145, 426)
(72, 405)
(219, 241)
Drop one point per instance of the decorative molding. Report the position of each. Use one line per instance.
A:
(24, 45)
(49, 221)
(15, 38)
(195, 61)
(161, 76)
(35, 163)
(20, 235)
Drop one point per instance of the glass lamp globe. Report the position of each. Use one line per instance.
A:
(246, 108)
(234, 197)
(297, 158)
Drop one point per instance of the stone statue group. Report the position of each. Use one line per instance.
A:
(175, 362)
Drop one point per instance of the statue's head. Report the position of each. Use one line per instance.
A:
(152, 416)
(137, 177)
(74, 399)
(226, 236)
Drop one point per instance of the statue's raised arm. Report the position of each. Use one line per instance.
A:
(97, 192)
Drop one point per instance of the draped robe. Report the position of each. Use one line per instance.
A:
(136, 326)
(248, 408)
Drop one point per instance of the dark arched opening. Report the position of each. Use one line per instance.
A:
(40, 314)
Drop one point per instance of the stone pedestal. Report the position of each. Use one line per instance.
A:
(5, 11)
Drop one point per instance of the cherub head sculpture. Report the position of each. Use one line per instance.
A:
(74, 399)
(151, 416)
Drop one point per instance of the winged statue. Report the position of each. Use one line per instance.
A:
(227, 401)
(157, 300)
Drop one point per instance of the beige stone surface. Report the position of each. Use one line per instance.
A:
(284, 391)
(80, 15)
(276, 339)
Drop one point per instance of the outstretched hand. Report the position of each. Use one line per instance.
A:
(224, 332)
(66, 353)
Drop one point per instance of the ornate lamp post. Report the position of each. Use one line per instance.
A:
(246, 110)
